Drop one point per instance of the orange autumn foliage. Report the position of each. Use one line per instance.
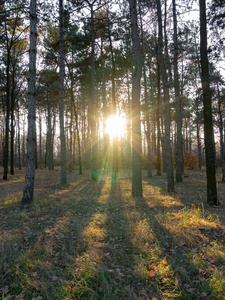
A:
(190, 160)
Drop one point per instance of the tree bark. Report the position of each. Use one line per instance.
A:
(136, 123)
(31, 140)
(208, 123)
(93, 100)
(198, 136)
(161, 61)
(18, 140)
(146, 103)
(158, 166)
(61, 97)
(178, 101)
(40, 139)
(115, 167)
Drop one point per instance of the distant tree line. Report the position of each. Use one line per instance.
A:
(67, 66)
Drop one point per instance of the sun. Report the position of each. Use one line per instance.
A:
(115, 126)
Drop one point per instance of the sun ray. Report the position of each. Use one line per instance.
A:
(115, 126)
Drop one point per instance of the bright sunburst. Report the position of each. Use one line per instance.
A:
(115, 126)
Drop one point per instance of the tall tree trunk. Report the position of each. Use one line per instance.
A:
(128, 124)
(18, 140)
(28, 191)
(146, 98)
(104, 104)
(115, 167)
(136, 123)
(6, 146)
(71, 138)
(222, 140)
(23, 144)
(12, 137)
(40, 138)
(198, 136)
(158, 166)
(61, 97)
(93, 100)
(161, 60)
(49, 133)
(223, 160)
(208, 123)
(77, 127)
(178, 101)
(167, 57)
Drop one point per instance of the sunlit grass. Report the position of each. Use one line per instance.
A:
(93, 240)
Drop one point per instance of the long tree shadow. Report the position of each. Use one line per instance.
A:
(118, 277)
(47, 249)
(187, 275)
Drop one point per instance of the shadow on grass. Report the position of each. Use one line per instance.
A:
(49, 235)
(177, 257)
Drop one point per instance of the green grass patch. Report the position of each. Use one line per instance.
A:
(93, 240)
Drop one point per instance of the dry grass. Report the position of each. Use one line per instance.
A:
(93, 240)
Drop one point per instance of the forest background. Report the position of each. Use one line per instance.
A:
(109, 87)
(89, 70)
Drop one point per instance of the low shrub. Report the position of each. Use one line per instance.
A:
(190, 160)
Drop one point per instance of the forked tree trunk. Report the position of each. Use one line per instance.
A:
(28, 191)
(208, 123)
(136, 123)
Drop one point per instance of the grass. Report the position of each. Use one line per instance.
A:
(94, 240)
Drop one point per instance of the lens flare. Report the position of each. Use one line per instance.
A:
(115, 126)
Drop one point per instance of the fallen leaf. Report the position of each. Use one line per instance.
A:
(151, 274)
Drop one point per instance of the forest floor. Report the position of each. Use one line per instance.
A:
(94, 240)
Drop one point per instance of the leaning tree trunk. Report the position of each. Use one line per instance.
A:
(61, 97)
(31, 140)
(208, 123)
(136, 124)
